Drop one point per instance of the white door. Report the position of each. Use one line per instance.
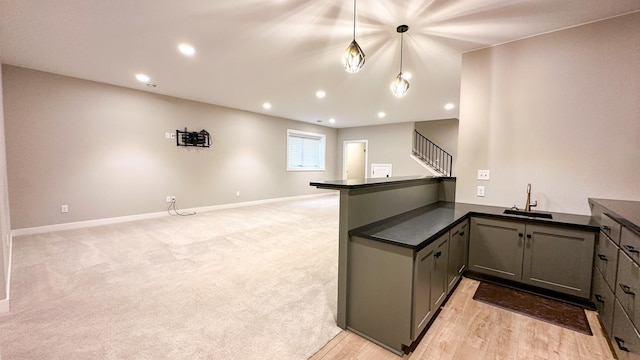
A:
(355, 159)
(380, 170)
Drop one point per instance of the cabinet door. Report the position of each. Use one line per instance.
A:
(439, 276)
(422, 309)
(603, 298)
(607, 259)
(628, 287)
(559, 259)
(458, 243)
(495, 248)
(624, 336)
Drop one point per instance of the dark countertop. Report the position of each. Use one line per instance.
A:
(372, 182)
(418, 228)
(623, 211)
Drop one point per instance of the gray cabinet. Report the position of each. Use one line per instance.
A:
(603, 298)
(616, 285)
(630, 244)
(549, 257)
(395, 291)
(439, 288)
(628, 288)
(430, 282)
(423, 270)
(458, 245)
(624, 336)
(558, 259)
(606, 259)
(495, 248)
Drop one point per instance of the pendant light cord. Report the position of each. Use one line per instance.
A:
(401, 46)
(354, 19)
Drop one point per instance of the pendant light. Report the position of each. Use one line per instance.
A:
(400, 85)
(353, 58)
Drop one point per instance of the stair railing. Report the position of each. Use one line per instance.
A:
(432, 154)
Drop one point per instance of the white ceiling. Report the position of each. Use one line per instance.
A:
(281, 51)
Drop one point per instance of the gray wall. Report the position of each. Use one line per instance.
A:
(5, 223)
(443, 133)
(101, 149)
(560, 111)
(389, 144)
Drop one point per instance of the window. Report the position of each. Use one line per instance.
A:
(305, 151)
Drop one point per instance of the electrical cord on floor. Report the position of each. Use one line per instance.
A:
(173, 207)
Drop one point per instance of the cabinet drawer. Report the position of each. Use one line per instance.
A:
(461, 228)
(610, 228)
(628, 287)
(603, 298)
(624, 336)
(607, 260)
(630, 243)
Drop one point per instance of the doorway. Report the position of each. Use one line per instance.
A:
(354, 165)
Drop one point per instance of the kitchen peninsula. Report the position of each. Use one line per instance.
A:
(404, 242)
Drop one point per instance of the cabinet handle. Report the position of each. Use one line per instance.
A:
(438, 254)
(602, 257)
(528, 236)
(520, 234)
(599, 298)
(620, 344)
(631, 249)
(627, 290)
(461, 233)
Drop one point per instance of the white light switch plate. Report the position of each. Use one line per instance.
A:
(483, 174)
(480, 191)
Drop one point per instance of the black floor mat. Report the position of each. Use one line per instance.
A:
(552, 311)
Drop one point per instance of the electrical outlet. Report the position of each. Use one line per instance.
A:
(238, 193)
(480, 192)
(64, 208)
(167, 135)
(173, 198)
(483, 175)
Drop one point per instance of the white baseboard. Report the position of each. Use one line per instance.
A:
(122, 219)
(4, 304)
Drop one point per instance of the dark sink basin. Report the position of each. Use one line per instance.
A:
(529, 213)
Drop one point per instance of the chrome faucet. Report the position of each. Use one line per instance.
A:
(529, 205)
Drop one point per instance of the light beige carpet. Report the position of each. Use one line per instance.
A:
(256, 282)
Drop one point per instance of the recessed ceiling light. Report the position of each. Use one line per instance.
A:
(332, 120)
(143, 78)
(381, 114)
(449, 106)
(266, 105)
(186, 49)
(320, 94)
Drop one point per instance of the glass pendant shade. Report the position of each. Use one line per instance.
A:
(353, 58)
(399, 86)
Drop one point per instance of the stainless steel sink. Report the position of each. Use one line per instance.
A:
(529, 213)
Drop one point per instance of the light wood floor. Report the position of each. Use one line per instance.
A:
(468, 329)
